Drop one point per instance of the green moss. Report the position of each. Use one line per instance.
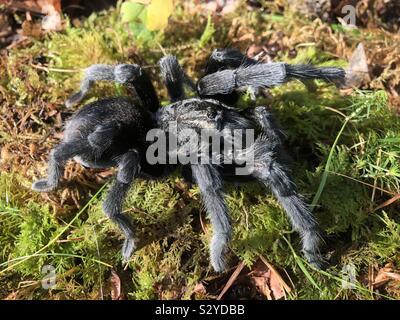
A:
(172, 229)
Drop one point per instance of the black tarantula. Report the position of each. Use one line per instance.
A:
(112, 132)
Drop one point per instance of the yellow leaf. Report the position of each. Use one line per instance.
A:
(141, 1)
(158, 13)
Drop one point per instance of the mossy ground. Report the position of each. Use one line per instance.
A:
(345, 150)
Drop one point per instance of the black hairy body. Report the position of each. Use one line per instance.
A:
(128, 122)
(112, 132)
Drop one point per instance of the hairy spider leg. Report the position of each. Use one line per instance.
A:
(104, 134)
(130, 75)
(229, 70)
(102, 137)
(227, 59)
(174, 78)
(221, 59)
(270, 168)
(209, 181)
(96, 72)
(128, 168)
(58, 157)
(268, 124)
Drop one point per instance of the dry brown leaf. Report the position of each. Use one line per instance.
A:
(231, 280)
(199, 289)
(380, 279)
(5, 153)
(261, 283)
(32, 149)
(33, 5)
(268, 281)
(52, 21)
(357, 72)
(394, 276)
(106, 174)
(50, 8)
(261, 277)
(31, 29)
(388, 202)
(12, 296)
(276, 276)
(276, 287)
(115, 283)
(384, 275)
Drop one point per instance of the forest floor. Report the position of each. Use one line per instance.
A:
(345, 146)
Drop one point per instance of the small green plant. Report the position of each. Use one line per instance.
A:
(146, 18)
(207, 34)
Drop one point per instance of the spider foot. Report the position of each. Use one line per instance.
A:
(218, 264)
(128, 248)
(315, 259)
(74, 99)
(217, 252)
(42, 185)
